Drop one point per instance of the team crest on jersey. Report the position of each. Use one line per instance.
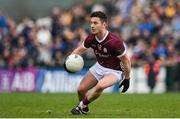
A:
(99, 47)
(105, 50)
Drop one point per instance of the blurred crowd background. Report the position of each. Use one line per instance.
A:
(150, 28)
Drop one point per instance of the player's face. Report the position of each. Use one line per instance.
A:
(97, 25)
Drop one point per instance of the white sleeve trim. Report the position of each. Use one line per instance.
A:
(123, 52)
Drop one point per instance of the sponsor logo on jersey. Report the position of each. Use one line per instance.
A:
(105, 50)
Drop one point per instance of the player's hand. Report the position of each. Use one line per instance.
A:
(125, 84)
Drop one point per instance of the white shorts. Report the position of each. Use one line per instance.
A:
(99, 72)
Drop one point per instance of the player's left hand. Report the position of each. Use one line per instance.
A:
(125, 84)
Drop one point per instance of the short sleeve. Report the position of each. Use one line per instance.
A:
(119, 49)
(88, 41)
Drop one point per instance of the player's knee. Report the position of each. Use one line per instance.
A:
(81, 90)
(99, 88)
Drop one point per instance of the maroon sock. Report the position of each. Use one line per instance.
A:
(86, 101)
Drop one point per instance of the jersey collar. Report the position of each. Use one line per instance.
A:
(103, 38)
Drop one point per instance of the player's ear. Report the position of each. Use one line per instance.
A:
(105, 24)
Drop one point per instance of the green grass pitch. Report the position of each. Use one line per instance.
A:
(107, 106)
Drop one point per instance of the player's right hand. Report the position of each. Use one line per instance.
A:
(125, 84)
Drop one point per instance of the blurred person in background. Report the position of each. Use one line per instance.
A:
(169, 61)
(177, 75)
(152, 67)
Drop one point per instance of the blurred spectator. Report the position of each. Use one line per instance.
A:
(56, 23)
(177, 67)
(170, 10)
(151, 70)
(3, 27)
(170, 64)
(88, 6)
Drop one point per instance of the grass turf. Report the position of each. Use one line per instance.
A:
(107, 106)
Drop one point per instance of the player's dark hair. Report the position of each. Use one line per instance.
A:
(100, 15)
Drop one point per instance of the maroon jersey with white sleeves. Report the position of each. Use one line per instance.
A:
(107, 50)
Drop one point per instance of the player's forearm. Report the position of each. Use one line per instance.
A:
(126, 66)
(79, 50)
(127, 69)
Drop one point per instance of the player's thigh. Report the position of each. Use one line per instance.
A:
(88, 82)
(107, 81)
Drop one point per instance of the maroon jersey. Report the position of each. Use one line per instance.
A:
(106, 50)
